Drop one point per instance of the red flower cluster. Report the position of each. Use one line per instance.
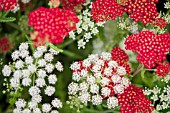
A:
(160, 22)
(53, 23)
(151, 48)
(121, 57)
(72, 5)
(7, 4)
(139, 10)
(76, 1)
(142, 10)
(134, 101)
(5, 45)
(163, 69)
(103, 10)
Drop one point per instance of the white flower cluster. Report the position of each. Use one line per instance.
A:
(34, 72)
(33, 106)
(25, 1)
(166, 79)
(128, 24)
(160, 97)
(16, 8)
(166, 16)
(167, 5)
(97, 78)
(156, 30)
(122, 24)
(86, 28)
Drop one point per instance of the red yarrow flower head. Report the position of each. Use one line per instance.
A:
(53, 23)
(103, 10)
(141, 10)
(76, 1)
(73, 5)
(7, 4)
(121, 57)
(151, 48)
(133, 100)
(160, 22)
(163, 69)
(5, 45)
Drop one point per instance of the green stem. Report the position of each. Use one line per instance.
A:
(13, 25)
(98, 36)
(4, 55)
(91, 111)
(142, 74)
(150, 69)
(33, 79)
(67, 43)
(54, 47)
(111, 111)
(5, 14)
(168, 11)
(157, 78)
(68, 53)
(30, 43)
(9, 110)
(139, 69)
(71, 54)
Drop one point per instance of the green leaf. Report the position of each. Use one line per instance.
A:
(7, 19)
(31, 43)
(12, 101)
(100, 35)
(139, 85)
(72, 54)
(12, 93)
(55, 47)
(17, 94)
(147, 78)
(91, 111)
(142, 74)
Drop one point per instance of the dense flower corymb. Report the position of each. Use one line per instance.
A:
(133, 100)
(7, 4)
(34, 72)
(151, 48)
(52, 24)
(141, 10)
(86, 27)
(5, 46)
(160, 22)
(103, 10)
(163, 69)
(121, 58)
(160, 96)
(99, 78)
(73, 5)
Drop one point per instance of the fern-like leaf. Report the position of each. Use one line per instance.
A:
(7, 19)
